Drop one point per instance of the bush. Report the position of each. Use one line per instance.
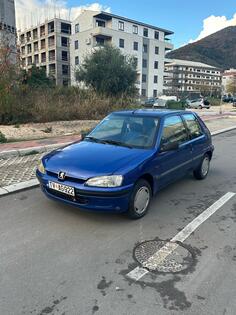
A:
(176, 105)
(60, 103)
(3, 139)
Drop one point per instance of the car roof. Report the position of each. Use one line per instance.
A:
(151, 112)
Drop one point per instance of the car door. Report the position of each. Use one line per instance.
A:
(198, 139)
(174, 164)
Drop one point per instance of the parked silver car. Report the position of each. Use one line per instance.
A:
(198, 103)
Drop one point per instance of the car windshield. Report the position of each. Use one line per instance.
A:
(126, 130)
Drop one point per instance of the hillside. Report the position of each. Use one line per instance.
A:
(218, 49)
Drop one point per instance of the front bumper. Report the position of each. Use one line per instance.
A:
(89, 198)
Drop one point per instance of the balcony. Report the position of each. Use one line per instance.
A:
(102, 32)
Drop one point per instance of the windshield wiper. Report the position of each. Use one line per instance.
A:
(118, 143)
(94, 139)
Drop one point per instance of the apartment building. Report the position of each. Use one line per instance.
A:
(148, 44)
(183, 76)
(8, 26)
(48, 46)
(228, 77)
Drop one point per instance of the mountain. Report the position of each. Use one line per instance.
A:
(218, 49)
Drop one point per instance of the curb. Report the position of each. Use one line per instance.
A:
(18, 187)
(34, 182)
(31, 150)
(218, 132)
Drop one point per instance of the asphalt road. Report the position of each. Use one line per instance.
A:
(55, 259)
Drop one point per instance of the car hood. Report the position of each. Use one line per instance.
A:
(88, 159)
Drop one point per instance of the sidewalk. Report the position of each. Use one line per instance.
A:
(18, 172)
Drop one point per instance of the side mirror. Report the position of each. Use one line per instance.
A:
(83, 135)
(174, 146)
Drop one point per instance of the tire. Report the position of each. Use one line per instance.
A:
(203, 169)
(142, 191)
(200, 106)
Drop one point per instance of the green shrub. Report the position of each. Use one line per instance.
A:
(176, 105)
(3, 138)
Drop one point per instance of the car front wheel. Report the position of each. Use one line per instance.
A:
(202, 171)
(140, 199)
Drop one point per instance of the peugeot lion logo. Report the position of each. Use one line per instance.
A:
(61, 175)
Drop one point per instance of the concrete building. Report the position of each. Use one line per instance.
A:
(183, 76)
(147, 43)
(228, 77)
(8, 26)
(48, 46)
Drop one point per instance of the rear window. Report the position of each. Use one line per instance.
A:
(193, 125)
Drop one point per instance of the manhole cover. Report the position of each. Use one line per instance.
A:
(155, 255)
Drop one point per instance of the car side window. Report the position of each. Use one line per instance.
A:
(193, 126)
(174, 131)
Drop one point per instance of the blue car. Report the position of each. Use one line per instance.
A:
(126, 159)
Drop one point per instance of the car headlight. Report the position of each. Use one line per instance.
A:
(41, 168)
(105, 181)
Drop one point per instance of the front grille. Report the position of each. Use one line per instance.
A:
(77, 198)
(71, 179)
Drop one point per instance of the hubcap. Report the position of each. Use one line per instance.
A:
(141, 200)
(205, 166)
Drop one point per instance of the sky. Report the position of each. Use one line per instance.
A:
(190, 20)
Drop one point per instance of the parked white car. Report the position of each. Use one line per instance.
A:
(198, 103)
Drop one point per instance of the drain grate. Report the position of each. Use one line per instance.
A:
(179, 260)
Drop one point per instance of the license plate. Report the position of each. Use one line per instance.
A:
(62, 188)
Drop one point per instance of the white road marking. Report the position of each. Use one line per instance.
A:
(156, 259)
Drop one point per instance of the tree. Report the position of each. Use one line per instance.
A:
(231, 86)
(109, 72)
(37, 77)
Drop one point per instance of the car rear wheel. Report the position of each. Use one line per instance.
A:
(200, 106)
(140, 199)
(202, 171)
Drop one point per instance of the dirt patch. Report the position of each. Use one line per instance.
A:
(46, 130)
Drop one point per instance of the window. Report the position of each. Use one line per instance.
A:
(156, 65)
(145, 32)
(155, 78)
(135, 29)
(51, 55)
(64, 55)
(121, 26)
(76, 44)
(156, 35)
(64, 42)
(77, 28)
(145, 48)
(100, 23)
(29, 48)
(143, 92)
(173, 131)
(144, 63)
(51, 27)
(144, 78)
(43, 44)
(65, 28)
(128, 130)
(51, 41)
(122, 43)
(193, 125)
(135, 45)
(157, 50)
(135, 62)
(154, 93)
(65, 69)
(76, 60)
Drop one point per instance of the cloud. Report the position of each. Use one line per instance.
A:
(214, 24)
(32, 12)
